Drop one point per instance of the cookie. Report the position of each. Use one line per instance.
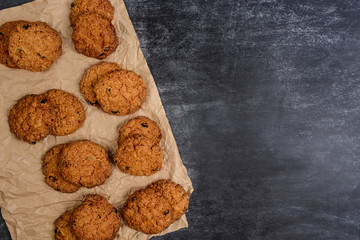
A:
(175, 194)
(95, 218)
(139, 156)
(53, 177)
(86, 163)
(63, 227)
(5, 31)
(102, 7)
(94, 36)
(70, 113)
(34, 46)
(148, 212)
(92, 75)
(140, 126)
(121, 92)
(31, 118)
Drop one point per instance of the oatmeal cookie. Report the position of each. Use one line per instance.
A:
(102, 7)
(34, 46)
(148, 212)
(86, 163)
(140, 126)
(94, 36)
(63, 227)
(138, 155)
(121, 92)
(31, 118)
(95, 218)
(92, 75)
(70, 113)
(53, 177)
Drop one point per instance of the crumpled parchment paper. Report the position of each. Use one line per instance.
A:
(28, 205)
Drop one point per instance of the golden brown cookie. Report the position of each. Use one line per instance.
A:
(148, 212)
(31, 118)
(140, 126)
(102, 7)
(174, 193)
(94, 36)
(63, 227)
(86, 163)
(96, 219)
(5, 31)
(34, 46)
(92, 75)
(53, 177)
(138, 155)
(70, 113)
(121, 92)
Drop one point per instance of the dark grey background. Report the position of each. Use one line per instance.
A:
(263, 98)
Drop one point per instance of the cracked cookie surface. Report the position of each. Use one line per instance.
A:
(53, 177)
(34, 46)
(86, 163)
(120, 93)
(70, 113)
(95, 218)
(92, 75)
(31, 118)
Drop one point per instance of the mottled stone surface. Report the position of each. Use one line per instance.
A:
(263, 99)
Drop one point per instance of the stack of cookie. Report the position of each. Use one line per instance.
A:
(115, 90)
(69, 166)
(139, 152)
(153, 209)
(55, 112)
(32, 46)
(95, 218)
(93, 33)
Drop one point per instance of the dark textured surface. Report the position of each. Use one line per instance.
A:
(263, 98)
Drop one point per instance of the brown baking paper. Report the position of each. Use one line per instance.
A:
(28, 205)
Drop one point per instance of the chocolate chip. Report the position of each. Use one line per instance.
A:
(44, 100)
(155, 169)
(114, 112)
(72, 5)
(133, 199)
(40, 55)
(26, 26)
(102, 54)
(52, 178)
(106, 49)
(94, 103)
(33, 142)
(1, 34)
(144, 125)
(116, 211)
(166, 212)
(127, 168)
(56, 231)
(99, 216)
(109, 90)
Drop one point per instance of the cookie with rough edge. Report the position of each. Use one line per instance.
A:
(86, 163)
(92, 75)
(120, 93)
(34, 46)
(175, 194)
(139, 156)
(140, 126)
(102, 7)
(95, 218)
(53, 177)
(70, 113)
(63, 227)
(31, 118)
(5, 31)
(147, 211)
(94, 36)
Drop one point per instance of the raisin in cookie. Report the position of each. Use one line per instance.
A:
(92, 75)
(70, 113)
(53, 177)
(63, 227)
(139, 156)
(31, 118)
(121, 92)
(86, 163)
(102, 7)
(94, 36)
(140, 126)
(34, 46)
(95, 218)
